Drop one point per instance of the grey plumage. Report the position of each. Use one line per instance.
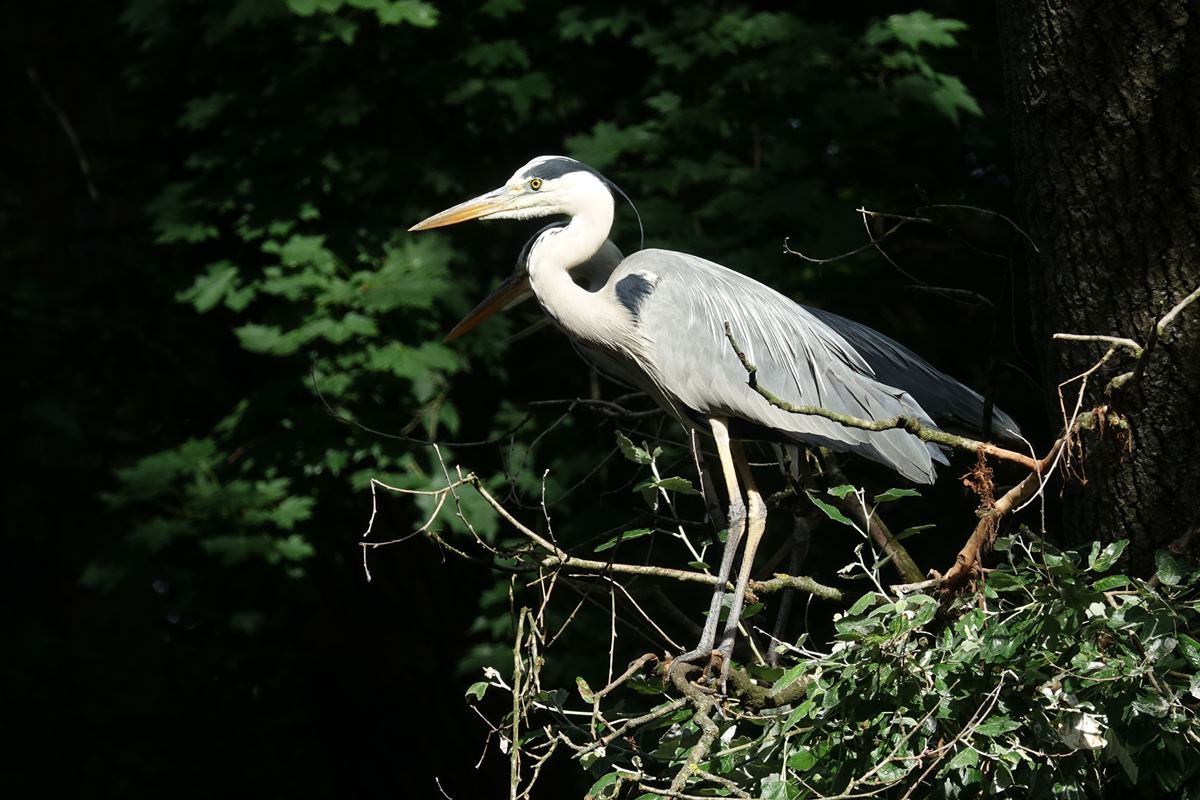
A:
(806, 355)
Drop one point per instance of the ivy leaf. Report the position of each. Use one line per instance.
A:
(802, 760)
(1190, 649)
(1167, 568)
(967, 757)
(477, 690)
(1102, 560)
(600, 789)
(788, 678)
(773, 788)
(997, 726)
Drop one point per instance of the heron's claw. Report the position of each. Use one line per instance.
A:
(709, 660)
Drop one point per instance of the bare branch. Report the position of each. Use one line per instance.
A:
(560, 558)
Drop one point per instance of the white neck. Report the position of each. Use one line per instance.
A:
(591, 316)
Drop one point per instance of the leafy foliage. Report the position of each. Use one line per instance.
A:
(1062, 679)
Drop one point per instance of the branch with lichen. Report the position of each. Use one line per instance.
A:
(898, 422)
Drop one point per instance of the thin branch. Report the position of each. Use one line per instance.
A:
(605, 407)
(810, 259)
(985, 530)
(990, 213)
(1119, 341)
(353, 423)
(557, 557)
(1159, 329)
(80, 157)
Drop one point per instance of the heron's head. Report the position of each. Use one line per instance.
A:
(546, 186)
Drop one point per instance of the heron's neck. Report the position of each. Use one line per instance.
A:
(593, 316)
(583, 236)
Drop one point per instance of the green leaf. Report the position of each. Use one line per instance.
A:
(1116, 748)
(1190, 648)
(477, 690)
(895, 494)
(1167, 568)
(861, 605)
(788, 678)
(997, 726)
(1102, 560)
(585, 691)
(830, 511)
(294, 548)
(627, 536)
(631, 451)
(680, 485)
(967, 757)
(798, 713)
(915, 29)
(773, 788)
(841, 491)
(266, 339)
(1110, 582)
(600, 788)
(913, 531)
(802, 760)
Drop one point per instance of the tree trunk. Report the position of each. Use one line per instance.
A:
(1104, 105)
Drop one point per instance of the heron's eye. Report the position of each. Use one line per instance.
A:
(535, 184)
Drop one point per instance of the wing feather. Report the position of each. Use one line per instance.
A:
(799, 357)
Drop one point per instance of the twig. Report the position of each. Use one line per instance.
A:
(902, 562)
(1159, 329)
(1119, 341)
(514, 775)
(608, 409)
(985, 529)
(810, 259)
(80, 158)
(634, 722)
(560, 558)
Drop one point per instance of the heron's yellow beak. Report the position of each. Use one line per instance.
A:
(494, 201)
(514, 289)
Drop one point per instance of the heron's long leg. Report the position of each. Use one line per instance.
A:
(756, 523)
(737, 523)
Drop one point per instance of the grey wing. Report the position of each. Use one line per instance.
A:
(947, 400)
(798, 357)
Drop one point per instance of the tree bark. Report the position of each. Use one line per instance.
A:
(1104, 107)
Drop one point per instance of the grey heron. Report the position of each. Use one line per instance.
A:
(658, 317)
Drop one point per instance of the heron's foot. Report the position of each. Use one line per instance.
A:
(725, 654)
(704, 657)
